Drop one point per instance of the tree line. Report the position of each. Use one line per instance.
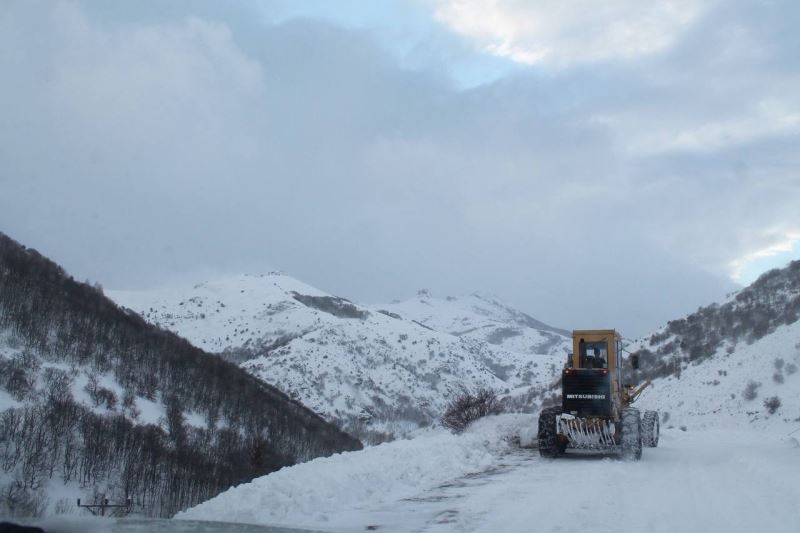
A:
(756, 311)
(57, 323)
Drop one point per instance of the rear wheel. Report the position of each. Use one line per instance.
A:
(631, 434)
(650, 429)
(548, 439)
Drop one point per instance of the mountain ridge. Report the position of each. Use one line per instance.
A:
(484, 317)
(101, 402)
(366, 367)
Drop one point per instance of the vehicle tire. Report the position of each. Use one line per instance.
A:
(548, 439)
(631, 434)
(650, 429)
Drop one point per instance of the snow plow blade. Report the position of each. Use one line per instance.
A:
(586, 433)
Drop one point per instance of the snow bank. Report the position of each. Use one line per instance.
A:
(326, 492)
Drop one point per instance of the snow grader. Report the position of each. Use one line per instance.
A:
(595, 414)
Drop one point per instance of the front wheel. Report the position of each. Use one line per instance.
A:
(548, 439)
(631, 434)
(650, 429)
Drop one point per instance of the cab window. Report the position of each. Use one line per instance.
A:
(594, 354)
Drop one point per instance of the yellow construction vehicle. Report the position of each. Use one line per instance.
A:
(595, 412)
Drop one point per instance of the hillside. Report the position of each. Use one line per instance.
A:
(736, 389)
(371, 370)
(95, 401)
(718, 365)
(756, 311)
(484, 318)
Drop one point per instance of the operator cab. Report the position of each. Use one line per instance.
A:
(589, 381)
(597, 349)
(593, 354)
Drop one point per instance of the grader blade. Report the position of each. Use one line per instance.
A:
(586, 433)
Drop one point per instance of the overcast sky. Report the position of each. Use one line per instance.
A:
(596, 164)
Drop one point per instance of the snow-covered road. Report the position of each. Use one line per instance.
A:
(710, 480)
(705, 482)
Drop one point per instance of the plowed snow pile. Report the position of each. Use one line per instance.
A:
(695, 481)
(331, 491)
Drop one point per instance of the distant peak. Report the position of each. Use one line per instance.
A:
(424, 293)
(271, 273)
(486, 297)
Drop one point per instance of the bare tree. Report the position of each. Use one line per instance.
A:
(468, 407)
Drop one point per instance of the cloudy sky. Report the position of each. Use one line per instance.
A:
(612, 164)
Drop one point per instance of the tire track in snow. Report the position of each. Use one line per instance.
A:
(694, 482)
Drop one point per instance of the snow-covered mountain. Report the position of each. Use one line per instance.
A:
(95, 401)
(485, 318)
(726, 380)
(732, 363)
(369, 369)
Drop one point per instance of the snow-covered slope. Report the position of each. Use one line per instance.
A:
(96, 391)
(730, 388)
(96, 402)
(370, 371)
(241, 314)
(484, 318)
(719, 365)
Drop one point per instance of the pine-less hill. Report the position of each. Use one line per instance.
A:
(484, 318)
(96, 401)
(369, 369)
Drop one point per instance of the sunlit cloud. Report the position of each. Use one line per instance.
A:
(767, 118)
(784, 245)
(565, 32)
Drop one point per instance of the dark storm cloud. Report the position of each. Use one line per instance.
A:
(141, 147)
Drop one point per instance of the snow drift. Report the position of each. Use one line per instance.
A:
(329, 491)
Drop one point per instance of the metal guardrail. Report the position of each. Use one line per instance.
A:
(115, 509)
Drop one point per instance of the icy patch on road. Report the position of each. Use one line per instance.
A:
(328, 492)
